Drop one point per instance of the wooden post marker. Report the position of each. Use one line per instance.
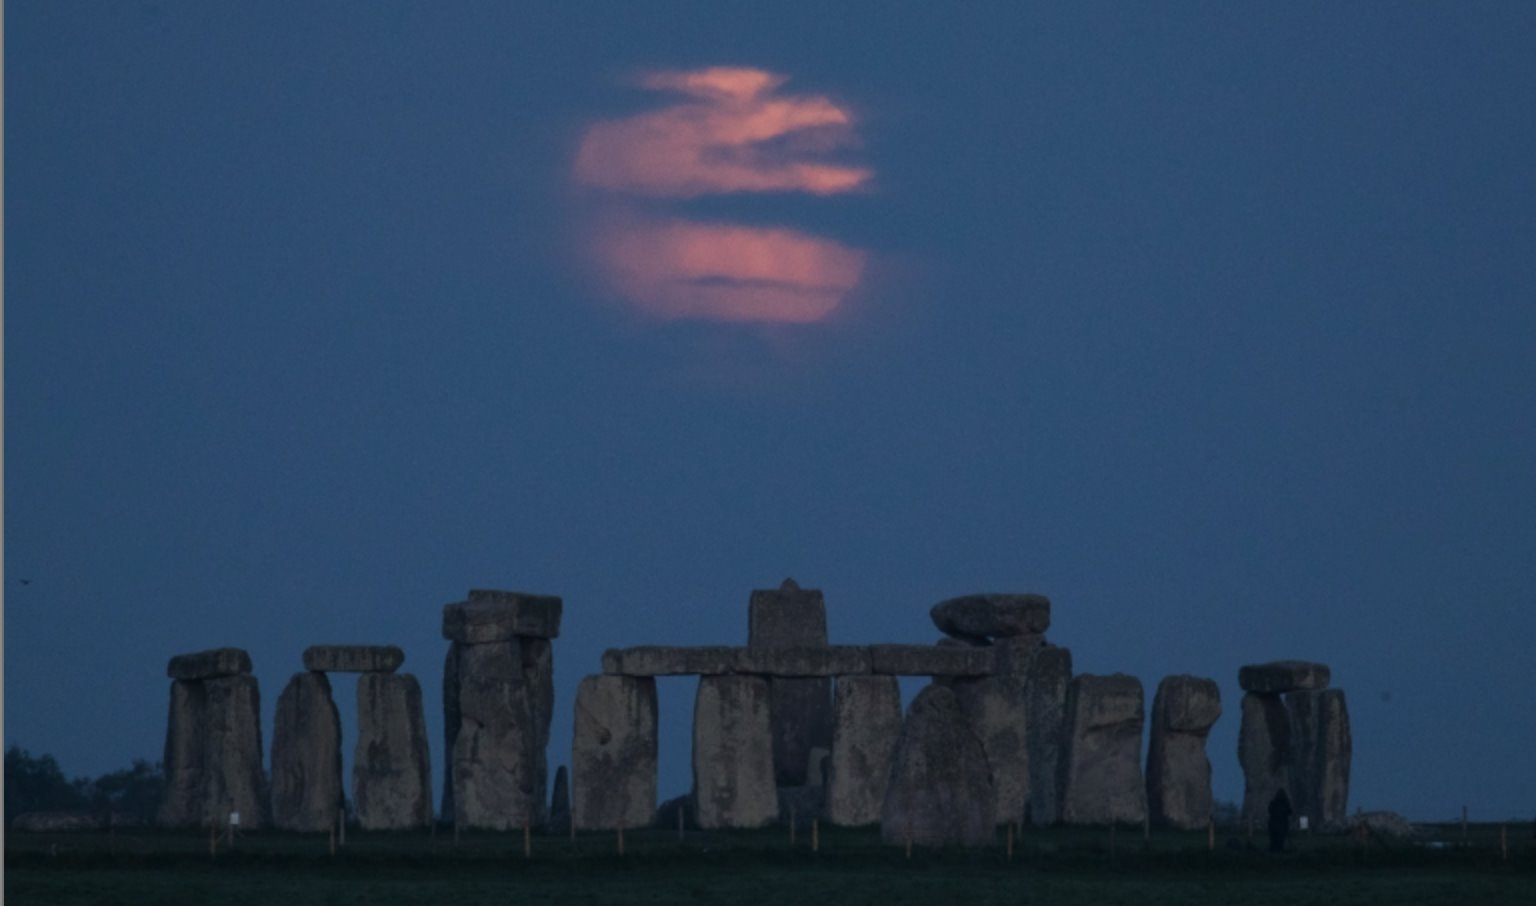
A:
(341, 819)
(1463, 824)
(621, 838)
(527, 840)
(1210, 836)
(680, 808)
(815, 835)
(333, 842)
(909, 838)
(455, 830)
(791, 827)
(213, 840)
(1010, 843)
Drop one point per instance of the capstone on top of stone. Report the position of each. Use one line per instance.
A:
(209, 664)
(353, 658)
(1282, 676)
(993, 615)
(500, 616)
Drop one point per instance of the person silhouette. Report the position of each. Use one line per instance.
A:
(1279, 821)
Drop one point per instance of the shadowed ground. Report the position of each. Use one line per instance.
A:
(1049, 866)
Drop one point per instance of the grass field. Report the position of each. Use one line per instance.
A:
(1068, 866)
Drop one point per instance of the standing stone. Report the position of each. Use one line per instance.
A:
(1047, 672)
(392, 770)
(560, 803)
(450, 726)
(940, 787)
(868, 723)
(1101, 779)
(493, 766)
(185, 757)
(1321, 748)
(1264, 751)
(233, 779)
(539, 674)
(613, 753)
(733, 777)
(1178, 771)
(789, 617)
(306, 756)
(996, 707)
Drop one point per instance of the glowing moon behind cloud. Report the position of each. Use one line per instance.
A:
(727, 130)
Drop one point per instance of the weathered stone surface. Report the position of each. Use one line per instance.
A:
(613, 753)
(213, 754)
(502, 661)
(391, 766)
(493, 761)
(1178, 770)
(1047, 671)
(866, 726)
(996, 706)
(186, 757)
(733, 777)
(930, 660)
(1282, 676)
(539, 673)
(306, 756)
(991, 615)
(940, 789)
(209, 664)
(560, 803)
(802, 661)
(58, 822)
(500, 616)
(663, 660)
(1101, 778)
(787, 615)
(1265, 753)
(353, 658)
(802, 720)
(1322, 750)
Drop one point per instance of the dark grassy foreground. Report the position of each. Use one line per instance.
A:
(1055, 866)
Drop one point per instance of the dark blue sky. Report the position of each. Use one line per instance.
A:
(1213, 322)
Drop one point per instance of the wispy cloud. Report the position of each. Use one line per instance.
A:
(725, 130)
(729, 132)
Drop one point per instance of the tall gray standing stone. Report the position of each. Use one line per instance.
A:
(1178, 770)
(306, 756)
(234, 779)
(392, 770)
(864, 735)
(185, 757)
(1047, 672)
(1265, 753)
(1322, 750)
(996, 706)
(493, 762)
(792, 617)
(613, 753)
(940, 789)
(733, 776)
(1101, 778)
(539, 674)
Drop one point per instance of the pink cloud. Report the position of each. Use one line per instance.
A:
(683, 269)
(724, 130)
(731, 132)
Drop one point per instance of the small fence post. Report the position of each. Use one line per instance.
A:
(527, 840)
(791, 827)
(815, 835)
(621, 837)
(1010, 842)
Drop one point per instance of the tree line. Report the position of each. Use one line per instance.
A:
(38, 784)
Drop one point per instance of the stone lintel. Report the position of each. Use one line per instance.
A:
(209, 664)
(353, 658)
